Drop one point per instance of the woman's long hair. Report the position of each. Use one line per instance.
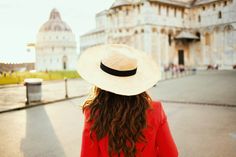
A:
(121, 118)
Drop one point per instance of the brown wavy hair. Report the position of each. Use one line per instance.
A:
(121, 118)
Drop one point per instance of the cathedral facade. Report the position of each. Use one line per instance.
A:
(193, 33)
(55, 45)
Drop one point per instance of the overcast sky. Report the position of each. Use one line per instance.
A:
(20, 21)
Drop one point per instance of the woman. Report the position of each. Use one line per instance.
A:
(120, 117)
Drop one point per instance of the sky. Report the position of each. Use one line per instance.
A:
(20, 21)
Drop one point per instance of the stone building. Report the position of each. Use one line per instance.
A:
(10, 67)
(55, 45)
(184, 32)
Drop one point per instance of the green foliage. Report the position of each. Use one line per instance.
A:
(18, 77)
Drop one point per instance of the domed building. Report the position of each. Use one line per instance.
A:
(55, 45)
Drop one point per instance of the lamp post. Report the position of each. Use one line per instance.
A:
(66, 91)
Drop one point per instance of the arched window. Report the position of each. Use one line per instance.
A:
(154, 30)
(199, 18)
(163, 30)
(199, 36)
(167, 11)
(225, 3)
(169, 39)
(219, 15)
(229, 35)
(228, 28)
(214, 6)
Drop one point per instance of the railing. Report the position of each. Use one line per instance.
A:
(174, 71)
(13, 97)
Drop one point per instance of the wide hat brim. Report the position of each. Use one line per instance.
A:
(147, 75)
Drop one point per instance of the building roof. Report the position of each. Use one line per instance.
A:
(118, 3)
(55, 23)
(183, 3)
(94, 31)
(176, 2)
(186, 35)
(199, 2)
(186, 3)
(102, 12)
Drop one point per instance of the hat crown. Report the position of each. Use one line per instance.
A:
(119, 69)
(119, 59)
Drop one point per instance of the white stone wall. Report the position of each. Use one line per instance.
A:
(147, 26)
(50, 49)
(96, 38)
(209, 14)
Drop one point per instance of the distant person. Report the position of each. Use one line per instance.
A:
(234, 66)
(120, 117)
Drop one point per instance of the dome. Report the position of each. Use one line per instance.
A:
(55, 23)
(118, 3)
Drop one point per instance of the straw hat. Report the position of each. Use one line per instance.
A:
(119, 69)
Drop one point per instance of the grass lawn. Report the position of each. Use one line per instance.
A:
(18, 77)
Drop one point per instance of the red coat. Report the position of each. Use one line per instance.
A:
(157, 133)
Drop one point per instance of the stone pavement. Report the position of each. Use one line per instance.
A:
(15, 96)
(206, 87)
(55, 130)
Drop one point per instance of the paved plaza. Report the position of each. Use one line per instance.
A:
(15, 96)
(206, 87)
(55, 130)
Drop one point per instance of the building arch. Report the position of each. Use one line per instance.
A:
(170, 31)
(208, 30)
(216, 29)
(198, 34)
(228, 28)
(154, 30)
(136, 32)
(229, 35)
(176, 32)
(163, 30)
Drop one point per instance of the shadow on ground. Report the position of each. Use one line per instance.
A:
(40, 138)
